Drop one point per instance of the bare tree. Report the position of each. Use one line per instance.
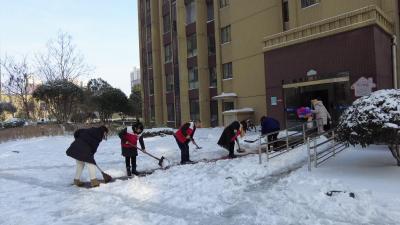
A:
(17, 82)
(61, 61)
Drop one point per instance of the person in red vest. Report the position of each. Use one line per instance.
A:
(129, 137)
(183, 136)
(229, 136)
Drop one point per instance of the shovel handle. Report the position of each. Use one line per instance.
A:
(143, 151)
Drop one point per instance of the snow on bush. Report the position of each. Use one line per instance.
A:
(371, 119)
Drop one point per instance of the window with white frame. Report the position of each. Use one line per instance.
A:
(191, 45)
(226, 34)
(168, 53)
(210, 11)
(223, 3)
(193, 78)
(307, 3)
(227, 70)
(166, 23)
(190, 12)
(228, 105)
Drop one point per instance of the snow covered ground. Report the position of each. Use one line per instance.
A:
(36, 177)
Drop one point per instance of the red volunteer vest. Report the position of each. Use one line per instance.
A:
(130, 137)
(179, 135)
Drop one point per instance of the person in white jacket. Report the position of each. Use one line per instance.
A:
(321, 114)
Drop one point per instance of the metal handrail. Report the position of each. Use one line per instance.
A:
(267, 143)
(322, 156)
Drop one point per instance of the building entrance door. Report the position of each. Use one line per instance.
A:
(334, 93)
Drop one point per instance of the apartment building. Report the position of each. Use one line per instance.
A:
(221, 60)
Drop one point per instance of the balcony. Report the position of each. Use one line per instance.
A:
(370, 15)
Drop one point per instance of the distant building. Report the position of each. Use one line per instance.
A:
(135, 76)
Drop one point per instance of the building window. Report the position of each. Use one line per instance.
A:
(229, 106)
(166, 23)
(193, 78)
(223, 3)
(190, 12)
(152, 113)
(147, 5)
(151, 86)
(148, 33)
(307, 3)
(213, 76)
(149, 59)
(171, 112)
(211, 44)
(192, 45)
(168, 53)
(194, 110)
(210, 11)
(285, 11)
(169, 82)
(226, 34)
(227, 70)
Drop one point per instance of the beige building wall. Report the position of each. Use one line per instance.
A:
(251, 21)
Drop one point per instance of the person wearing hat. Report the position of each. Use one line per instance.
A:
(129, 138)
(321, 114)
(83, 149)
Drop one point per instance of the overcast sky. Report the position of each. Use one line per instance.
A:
(105, 31)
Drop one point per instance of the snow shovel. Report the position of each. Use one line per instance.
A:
(107, 178)
(160, 160)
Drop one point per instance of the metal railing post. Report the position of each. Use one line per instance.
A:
(309, 154)
(304, 133)
(333, 142)
(259, 150)
(267, 150)
(315, 153)
(287, 139)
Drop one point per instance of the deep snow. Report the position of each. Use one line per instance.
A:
(36, 178)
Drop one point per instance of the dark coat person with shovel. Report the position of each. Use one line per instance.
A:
(129, 137)
(83, 149)
(229, 136)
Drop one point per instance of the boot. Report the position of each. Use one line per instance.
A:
(94, 183)
(78, 183)
(135, 172)
(128, 171)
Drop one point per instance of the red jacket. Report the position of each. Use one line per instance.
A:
(236, 135)
(130, 137)
(185, 130)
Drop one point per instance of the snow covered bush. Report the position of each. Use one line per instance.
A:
(373, 119)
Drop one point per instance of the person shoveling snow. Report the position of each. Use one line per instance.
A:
(83, 149)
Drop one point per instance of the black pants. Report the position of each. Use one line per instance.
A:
(271, 138)
(184, 147)
(130, 162)
(231, 149)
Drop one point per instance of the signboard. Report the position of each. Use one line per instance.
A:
(363, 86)
(274, 100)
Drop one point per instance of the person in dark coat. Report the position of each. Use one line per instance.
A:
(83, 149)
(230, 134)
(269, 125)
(183, 136)
(129, 137)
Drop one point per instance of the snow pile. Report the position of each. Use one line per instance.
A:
(371, 119)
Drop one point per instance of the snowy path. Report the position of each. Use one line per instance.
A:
(36, 187)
